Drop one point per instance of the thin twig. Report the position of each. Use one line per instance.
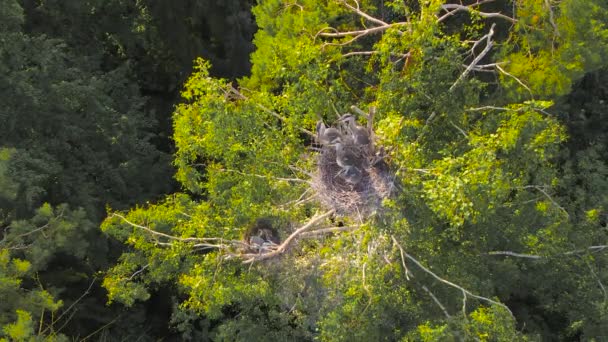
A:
(516, 79)
(86, 292)
(541, 190)
(154, 232)
(405, 269)
(138, 271)
(358, 11)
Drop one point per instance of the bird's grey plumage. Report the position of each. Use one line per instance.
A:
(346, 156)
(351, 175)
(327, 135)
(360, 134)
(256, 242)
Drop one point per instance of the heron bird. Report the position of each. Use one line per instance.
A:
(360, 134)
(346, 156)
(256, 242)
(351, 175)
(327, 135)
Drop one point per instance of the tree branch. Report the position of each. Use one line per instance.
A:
(445, 312)
(533, 256)
(167, 236)
(358, 11)
(489, 44)
(452, 9)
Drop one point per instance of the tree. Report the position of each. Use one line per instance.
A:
(476, 240)
(73, 139)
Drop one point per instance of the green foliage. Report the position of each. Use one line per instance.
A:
(483, 194)
(484, 324)
(577, 36)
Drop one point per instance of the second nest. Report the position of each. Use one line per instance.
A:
(352, 176)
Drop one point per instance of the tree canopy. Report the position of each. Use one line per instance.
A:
(484, 210)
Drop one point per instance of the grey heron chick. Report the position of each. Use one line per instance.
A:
(256, 242)
(360, 134)
(327, 135)
(351, 175)
(346, 156)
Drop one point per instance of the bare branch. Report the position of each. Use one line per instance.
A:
(153, 232)
(489, 44)
(33, 231)
(533, 256)
(86, 292)
(515, 78)
(597, 278)
(445, 312)
(358, 33)
(452, 9)
(542, 191)
(459, 130)
(138, 271)
(363, 14)
(405, 269)
(513, 254)
(551, 18)
(487, 108)
(370, 53)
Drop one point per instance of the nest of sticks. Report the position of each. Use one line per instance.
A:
(361, 199)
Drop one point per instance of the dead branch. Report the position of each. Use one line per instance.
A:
(250, 258)
(370, 53)
(357, 33)
(138, 271)
(54, 321)
(484, 52)
(383, 26)
(513, 254)
(533, 256)
(167, 236)
(515, 78)
(542, 191)
(452, 9)
(358, 11)
(33, 231)
(445, 312)
(551, 18)
(405, 269)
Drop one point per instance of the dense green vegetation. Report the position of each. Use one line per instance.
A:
(143, 144)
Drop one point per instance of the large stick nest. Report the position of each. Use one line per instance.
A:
(360, 199)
